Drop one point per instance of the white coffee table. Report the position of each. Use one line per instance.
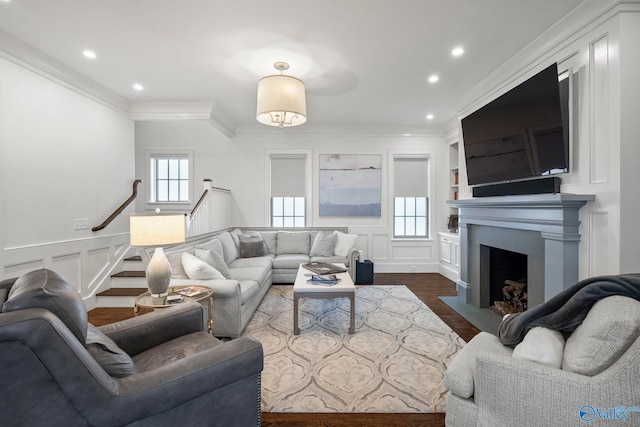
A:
(344, 289)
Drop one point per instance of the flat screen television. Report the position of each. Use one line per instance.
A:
(522, 134)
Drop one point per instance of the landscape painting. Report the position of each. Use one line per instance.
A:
(350, 184)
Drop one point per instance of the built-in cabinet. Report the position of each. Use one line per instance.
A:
(449, 245)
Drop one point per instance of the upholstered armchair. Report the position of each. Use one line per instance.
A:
(592, 378)
(157, 369)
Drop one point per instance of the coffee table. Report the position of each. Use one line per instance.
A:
(145, 300)
(344, 289)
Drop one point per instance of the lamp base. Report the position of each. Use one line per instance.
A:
(158, 274)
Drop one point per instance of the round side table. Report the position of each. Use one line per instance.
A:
(188, 292)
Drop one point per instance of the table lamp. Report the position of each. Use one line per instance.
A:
(157, 230)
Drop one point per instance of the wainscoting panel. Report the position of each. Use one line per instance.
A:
(598, 243)
(97, 263)
(16, 270)
(70, 267)
(411, 252)
(599, 111)
(380, 247)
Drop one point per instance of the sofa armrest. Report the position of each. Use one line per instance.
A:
(353, 256)
(459, 377)
(140, 333)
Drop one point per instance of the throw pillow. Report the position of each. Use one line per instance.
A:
(609, 329)
(175, 259)
(344, 243)
(112, 358)
(198, 269)
(215, 260)
(251, 246)
(541, 345)
(323, 245)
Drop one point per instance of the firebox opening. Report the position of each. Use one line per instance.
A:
(508, 281)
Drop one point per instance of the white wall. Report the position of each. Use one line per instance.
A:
(64, 156)
(599, 42)
(238, 164)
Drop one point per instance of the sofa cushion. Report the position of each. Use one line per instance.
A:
(229, 248)
(609, 329)
(293, 242)
(344, 243)
(251, 246)
(323, 245)
(176, 349)
(198, 269)
(257, 274)
(235, 234)
(112, 358)
(215, 260)
(270, 239)
(541, 345)
(289, 261)
(214, 244)
(262, 262)
(48, 290)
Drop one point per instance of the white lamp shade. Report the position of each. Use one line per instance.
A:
(281, 101)
(154, 230)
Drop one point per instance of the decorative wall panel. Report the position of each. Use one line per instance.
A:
(599, 105)
(599, 243)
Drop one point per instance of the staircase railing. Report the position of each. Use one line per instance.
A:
(121, 208)
(204, 195)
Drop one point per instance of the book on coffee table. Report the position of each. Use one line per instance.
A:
(323, 268)
(324, 279)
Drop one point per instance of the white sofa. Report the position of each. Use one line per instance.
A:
(227, 261)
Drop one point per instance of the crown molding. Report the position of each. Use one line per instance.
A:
(340, 130)
(28, 57)
(168, 111)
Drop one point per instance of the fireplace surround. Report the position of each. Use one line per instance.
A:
(544, 227)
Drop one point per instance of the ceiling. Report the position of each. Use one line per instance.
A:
(364, 62)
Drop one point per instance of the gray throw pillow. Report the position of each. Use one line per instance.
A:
(215, 260)
(112, 358)
(251, 246)
(323, 245)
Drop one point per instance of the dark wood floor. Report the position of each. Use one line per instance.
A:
(427, 286)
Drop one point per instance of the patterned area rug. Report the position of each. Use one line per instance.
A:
(395, 361)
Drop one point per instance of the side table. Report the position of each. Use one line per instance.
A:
(197, 294)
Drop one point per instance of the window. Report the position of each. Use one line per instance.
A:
(411, 197)
(288, 173)
(170, 178)
(288, 212)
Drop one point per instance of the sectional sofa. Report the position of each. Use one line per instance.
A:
(241, 264)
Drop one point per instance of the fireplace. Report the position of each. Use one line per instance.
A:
(505, 274)
(544, 228)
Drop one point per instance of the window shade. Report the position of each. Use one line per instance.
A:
(288, 177)
(410, 176)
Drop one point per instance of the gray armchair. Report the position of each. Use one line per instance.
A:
(158, 369)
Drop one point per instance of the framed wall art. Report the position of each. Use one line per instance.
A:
(350, 184)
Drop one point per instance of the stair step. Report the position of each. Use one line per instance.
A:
(129, 273)
(122, 292)
(134, 263)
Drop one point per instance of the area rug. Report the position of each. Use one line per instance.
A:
(395, 361)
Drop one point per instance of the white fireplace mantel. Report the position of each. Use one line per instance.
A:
(554, 216)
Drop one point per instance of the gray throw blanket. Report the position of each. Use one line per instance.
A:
(566, 310)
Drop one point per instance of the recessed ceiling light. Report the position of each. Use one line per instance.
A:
(429, 116)
(457, 51)
(433, 78)
(138, 86)
(89, 54)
